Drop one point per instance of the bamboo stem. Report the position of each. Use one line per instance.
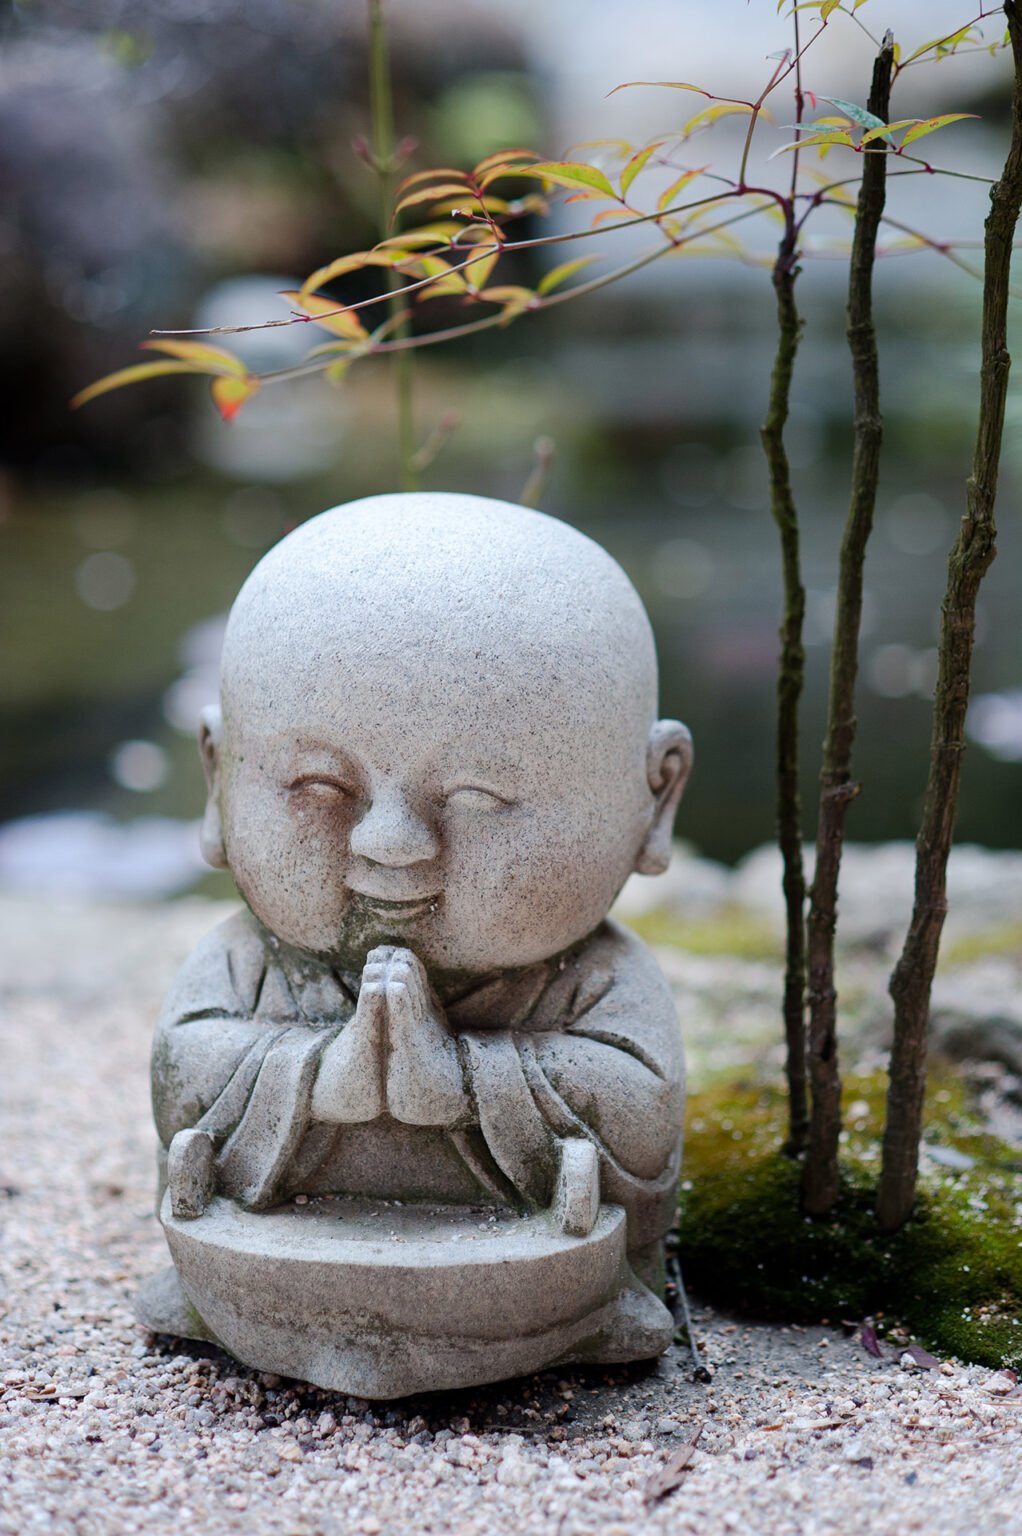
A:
(968, 561)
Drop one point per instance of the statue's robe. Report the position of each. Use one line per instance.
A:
(586, 1044)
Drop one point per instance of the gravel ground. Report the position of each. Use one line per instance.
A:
(104, 1429)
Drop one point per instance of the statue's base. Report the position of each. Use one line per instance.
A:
(380, 1300)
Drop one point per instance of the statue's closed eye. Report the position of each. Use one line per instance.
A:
(322, 786)
(476, 795)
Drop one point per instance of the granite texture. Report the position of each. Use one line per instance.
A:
(435, 763)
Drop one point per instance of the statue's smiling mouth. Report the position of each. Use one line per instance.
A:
(411, 907)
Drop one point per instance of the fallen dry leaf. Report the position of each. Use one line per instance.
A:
(670, 1474)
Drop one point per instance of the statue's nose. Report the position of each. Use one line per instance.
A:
(391, 833)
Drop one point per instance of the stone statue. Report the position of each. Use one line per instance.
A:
(420, 1103)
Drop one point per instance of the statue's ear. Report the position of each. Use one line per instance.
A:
(211, 833)
(668, 763)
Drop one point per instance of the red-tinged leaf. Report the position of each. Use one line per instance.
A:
(572, 174)
(442, 233)
(433, 193)
(931, 124)
(636, 164)
(208, 359)
(822, 140)
(610, 213)
(669, 1476)
(343, 264)
(667, 198)
(585, 197)
(230, 394)
(327, 313)
(888, 128)
(503, 157)
(710, 115)
(869, 1341)
(922, 1357)
(558, 275)
(438, 173)
(667, 85)
(133, 375)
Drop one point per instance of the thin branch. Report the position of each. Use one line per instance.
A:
(837, 791)
(790, 681)
(970, 557)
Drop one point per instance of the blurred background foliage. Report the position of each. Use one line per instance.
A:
(178, 162)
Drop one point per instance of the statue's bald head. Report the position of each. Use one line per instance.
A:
(472, 687)
(446, 591)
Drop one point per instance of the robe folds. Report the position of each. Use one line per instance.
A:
(585, 1044)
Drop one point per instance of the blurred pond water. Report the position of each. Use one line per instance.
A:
(112, 595)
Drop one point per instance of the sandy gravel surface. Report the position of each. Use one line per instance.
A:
(105, 1430)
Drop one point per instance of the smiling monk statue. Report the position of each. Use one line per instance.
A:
(420, 1101)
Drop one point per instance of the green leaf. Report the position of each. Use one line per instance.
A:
(571, 173)
(503, 157)
(931, 124)
(636, 164)
(132, 375)
(205, 358)
(827, 8)
(856, 113)
(667, 85)
(352, 263)
(558, 275)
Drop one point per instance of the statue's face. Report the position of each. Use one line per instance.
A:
(479, 814)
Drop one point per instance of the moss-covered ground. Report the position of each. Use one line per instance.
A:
(952, 1278)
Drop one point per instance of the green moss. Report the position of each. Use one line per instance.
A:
(1006, 940)
(729, 932)
(952, 1277)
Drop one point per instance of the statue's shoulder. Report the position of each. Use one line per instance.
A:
(223, 973)
(612, 966)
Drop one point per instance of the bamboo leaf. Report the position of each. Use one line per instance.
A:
(571, 173)
(205, 358)
(327, 313)
(636, 164)
(931, 124)
(558, 275)
(230, 394)
(667, 198)
(133, 375)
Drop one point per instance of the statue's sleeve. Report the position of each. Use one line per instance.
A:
(601, 1058)
(231, 1059)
